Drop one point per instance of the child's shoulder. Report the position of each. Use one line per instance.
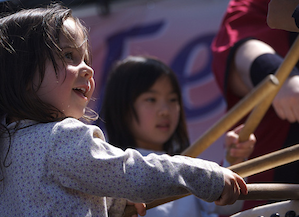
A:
(74, 126)
(70, 122)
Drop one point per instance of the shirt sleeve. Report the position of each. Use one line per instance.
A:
(80, 159)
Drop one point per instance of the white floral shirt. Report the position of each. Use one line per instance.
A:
(67, 169)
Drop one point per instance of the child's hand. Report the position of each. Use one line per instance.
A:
(238, 152)
(234, 185)
(140, 207)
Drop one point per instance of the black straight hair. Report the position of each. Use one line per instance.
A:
(126, 81)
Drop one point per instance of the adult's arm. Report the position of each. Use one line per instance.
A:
(254, 58)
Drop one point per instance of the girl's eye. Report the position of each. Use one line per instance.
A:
(175, 99)
(68, 56)
(150, 99)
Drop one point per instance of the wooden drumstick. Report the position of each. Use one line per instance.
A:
(244, 169)
(233, 116)
(261, 191)
(271, 191)
(267, 161)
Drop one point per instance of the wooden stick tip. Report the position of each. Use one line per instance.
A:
(274, 79)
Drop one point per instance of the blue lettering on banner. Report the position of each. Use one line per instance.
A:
(179, 66)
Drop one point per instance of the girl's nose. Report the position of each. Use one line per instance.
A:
(86, 71)
(164, 109)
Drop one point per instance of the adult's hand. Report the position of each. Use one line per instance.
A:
(286, 102)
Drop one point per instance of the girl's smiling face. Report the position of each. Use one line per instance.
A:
(158, 112)
(71, 89)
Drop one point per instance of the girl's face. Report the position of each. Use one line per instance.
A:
(158, 113)
(71, 90)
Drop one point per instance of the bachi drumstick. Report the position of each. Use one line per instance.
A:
(271, 191)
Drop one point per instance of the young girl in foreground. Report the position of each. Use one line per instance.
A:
(143, 109)
(52, 164)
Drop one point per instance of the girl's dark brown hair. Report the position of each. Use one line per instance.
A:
(27, 39)
(127, 80)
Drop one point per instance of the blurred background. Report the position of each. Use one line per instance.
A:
(179, 32)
